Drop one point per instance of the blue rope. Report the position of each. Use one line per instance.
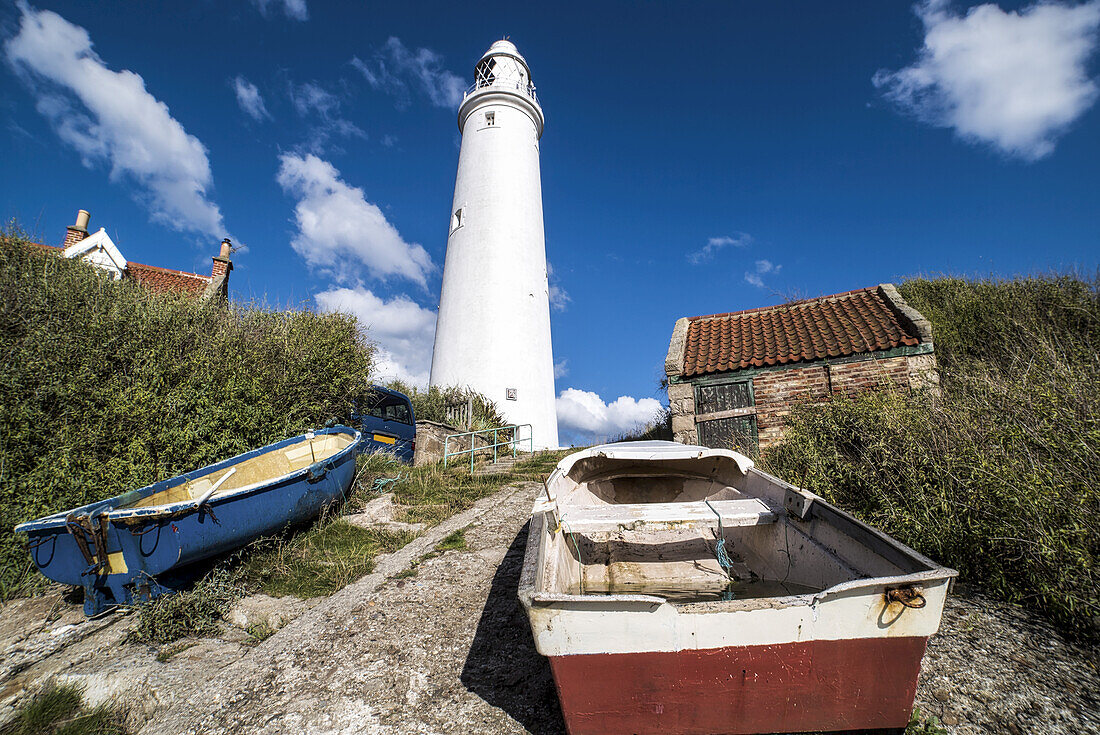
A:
(720, 547)
(380, 484)
(723, 557)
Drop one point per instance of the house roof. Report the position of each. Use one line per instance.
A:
(166, 280)
(97, 240)
(851, 323)
(160, 280)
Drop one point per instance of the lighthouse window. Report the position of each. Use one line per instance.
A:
(456, 220)
(490, 118)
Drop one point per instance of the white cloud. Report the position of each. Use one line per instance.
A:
(561, 368)
(403, 330)
(310, 99)
(294, 9)
(714, 244)
(339, 230)
(249, 98)
(395, 68)
(559, 297)
(1013, 80)
(762, 268)
(109, 117)
(584, 414)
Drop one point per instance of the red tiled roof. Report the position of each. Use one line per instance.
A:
(166, 280)
(831, 326)
(160, 280)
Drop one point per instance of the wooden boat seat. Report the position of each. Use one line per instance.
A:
(613, 517)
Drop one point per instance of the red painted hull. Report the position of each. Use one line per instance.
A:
(789, 687)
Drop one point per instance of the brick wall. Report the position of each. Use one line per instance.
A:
(777, 391)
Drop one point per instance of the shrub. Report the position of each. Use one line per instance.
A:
(190, 613)
(1000, 477)
(430, 404)
(106, 387)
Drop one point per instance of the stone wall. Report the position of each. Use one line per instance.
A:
(430, 437)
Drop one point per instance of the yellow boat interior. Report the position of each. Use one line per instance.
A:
(265, 467)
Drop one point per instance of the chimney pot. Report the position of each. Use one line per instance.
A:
(227, 249)
(76, 232)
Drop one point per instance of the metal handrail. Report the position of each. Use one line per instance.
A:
(528, 89)
(513, 442)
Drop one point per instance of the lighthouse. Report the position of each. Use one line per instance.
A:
(493, 330)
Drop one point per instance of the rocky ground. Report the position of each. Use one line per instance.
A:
(447, 650)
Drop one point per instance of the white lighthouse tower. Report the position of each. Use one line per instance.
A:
(493, 332)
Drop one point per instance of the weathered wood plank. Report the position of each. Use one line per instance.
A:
(741, 512)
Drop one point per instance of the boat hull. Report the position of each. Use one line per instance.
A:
(790, 687)
(145, 547)
(823, 628)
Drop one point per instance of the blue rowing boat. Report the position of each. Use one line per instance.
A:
(117, 548)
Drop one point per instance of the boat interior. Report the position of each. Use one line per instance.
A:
(653, 527)
(267, 466)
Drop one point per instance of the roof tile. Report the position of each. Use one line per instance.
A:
(831, 326)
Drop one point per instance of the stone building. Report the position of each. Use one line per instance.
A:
(97, 249)
(733, 378)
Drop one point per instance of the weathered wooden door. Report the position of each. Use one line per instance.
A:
(726, 416)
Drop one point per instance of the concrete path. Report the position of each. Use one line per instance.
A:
(445, 651)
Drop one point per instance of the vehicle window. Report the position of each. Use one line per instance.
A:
(385, 408)
(398, 412)
(371, 405)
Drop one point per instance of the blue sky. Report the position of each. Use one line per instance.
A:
(697, 158)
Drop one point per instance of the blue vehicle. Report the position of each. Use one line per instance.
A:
(118, 549)
(386, 419)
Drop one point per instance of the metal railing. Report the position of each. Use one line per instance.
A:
(514, 442)
(522, 87)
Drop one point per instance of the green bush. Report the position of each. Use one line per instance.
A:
(430, 404)
(106, 387)
(1000, 476)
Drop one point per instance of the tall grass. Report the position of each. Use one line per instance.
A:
(105, 387)
(998, 477)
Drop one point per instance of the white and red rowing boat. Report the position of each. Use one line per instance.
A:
(677, 589)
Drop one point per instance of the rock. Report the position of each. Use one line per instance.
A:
(950, 720)
(263, 610)
(379, 509)
(379, 514)
(941, 695)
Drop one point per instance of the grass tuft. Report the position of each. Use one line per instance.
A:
(166, 653)
(919, 725)
(455, 541)
(60, 710)
(260, 632)
(433, 493)
(319, 560)
(190, 613)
